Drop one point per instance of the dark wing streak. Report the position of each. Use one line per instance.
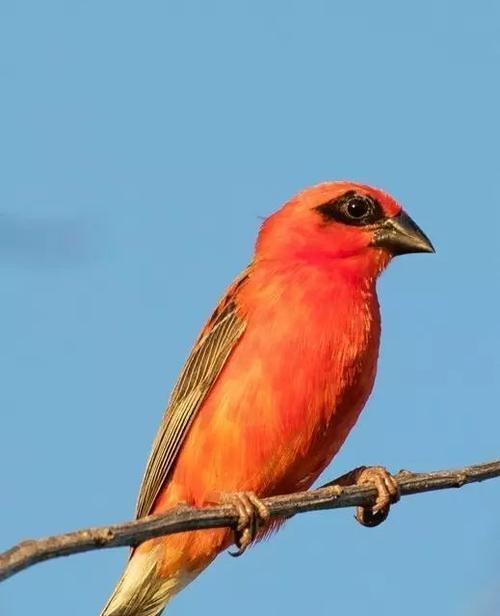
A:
(197, 378)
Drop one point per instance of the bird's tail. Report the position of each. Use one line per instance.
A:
(141, 591)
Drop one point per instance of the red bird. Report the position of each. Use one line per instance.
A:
(276, 380)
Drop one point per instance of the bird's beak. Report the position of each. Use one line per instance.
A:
(400, 235)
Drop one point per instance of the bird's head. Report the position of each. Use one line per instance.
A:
(345, 224)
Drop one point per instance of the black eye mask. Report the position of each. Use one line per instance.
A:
(352, 208)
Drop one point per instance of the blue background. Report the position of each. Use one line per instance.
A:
(140, 144)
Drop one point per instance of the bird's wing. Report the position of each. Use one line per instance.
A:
(209, 354)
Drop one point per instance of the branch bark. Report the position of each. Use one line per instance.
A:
(183, 518)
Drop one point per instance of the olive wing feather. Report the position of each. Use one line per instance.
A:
(198, 376)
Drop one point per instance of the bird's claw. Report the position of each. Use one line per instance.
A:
(387, 494)
(252, 515)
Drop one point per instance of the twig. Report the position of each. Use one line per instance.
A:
(30, 552)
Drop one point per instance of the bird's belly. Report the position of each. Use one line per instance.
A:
(276, 418)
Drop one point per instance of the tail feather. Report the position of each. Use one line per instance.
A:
(141, 591)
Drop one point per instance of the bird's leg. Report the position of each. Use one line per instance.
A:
(252, 515)
(387, 492)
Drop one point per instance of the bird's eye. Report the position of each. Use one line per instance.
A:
(357, 208)
(352, 208)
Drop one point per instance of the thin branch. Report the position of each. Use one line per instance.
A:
(30, 552)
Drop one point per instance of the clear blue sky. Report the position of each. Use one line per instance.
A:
(140, 144)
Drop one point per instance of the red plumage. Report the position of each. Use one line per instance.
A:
(303, 326)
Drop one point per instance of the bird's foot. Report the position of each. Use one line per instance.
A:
(387, 492)
(252, 515)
